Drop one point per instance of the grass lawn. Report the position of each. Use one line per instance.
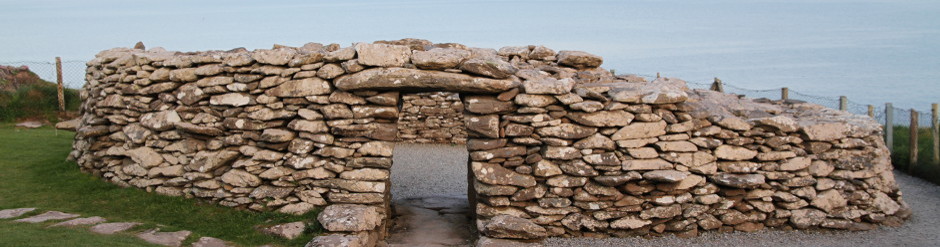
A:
(34, 173)
(29, 234)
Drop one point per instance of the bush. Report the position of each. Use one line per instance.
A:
(925, 167)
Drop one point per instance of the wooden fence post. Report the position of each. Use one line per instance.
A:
(843, 103)
(58, 77)
(889, 126)
(784, 93)
(717, 86)
(913, 137)
(871, 111)
(936, 132)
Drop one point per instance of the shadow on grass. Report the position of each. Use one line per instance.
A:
(34, 173)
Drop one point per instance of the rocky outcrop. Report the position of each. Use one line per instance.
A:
(558, 146)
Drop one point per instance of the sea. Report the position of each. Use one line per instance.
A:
(872, 52)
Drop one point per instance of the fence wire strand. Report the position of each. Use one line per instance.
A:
(902, 117)
(73, 71)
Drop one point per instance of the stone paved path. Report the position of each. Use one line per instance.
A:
(100, 226)
(47, 216)
(430, 221)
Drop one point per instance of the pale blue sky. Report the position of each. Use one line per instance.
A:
(871, 51)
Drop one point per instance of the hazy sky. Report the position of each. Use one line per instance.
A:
(870, 51)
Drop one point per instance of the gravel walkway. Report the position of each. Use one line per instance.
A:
(923, 229)
(423, 170)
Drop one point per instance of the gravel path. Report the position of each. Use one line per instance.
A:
(922, 229)
(430, 221)
(423, 170)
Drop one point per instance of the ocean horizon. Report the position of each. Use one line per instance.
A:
(873, 52)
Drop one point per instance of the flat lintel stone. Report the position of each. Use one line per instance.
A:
(401, 78)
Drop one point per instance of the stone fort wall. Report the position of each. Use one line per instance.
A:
(559, 147)
(432, 117)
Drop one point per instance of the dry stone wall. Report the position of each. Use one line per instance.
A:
(432, 117)
(558, 146)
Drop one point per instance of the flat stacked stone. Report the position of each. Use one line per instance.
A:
(432, 117)
(559, 147)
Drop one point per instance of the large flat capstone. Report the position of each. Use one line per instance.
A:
(401, 78)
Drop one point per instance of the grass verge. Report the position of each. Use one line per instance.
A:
(38, 235)
(34, 173)
(39, 101)
(926, 167)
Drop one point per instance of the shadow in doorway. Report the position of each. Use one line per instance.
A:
(429, 196)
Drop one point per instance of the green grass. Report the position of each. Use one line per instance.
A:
(34, 173)
(925, 167)
(28, 234)
(36, 101)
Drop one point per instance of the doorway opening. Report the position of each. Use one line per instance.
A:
(429, 196)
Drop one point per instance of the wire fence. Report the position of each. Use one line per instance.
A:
(902, 117)
(73, 71)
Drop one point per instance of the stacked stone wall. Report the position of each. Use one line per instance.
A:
(559, 147)
(432, 117)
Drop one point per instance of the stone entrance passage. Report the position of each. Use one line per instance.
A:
(429, 175)
(429, 196)
(430, 221)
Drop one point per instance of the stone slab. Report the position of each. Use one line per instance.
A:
(47, 216)
(82, 221)
(13, 213)
(211, 242)
(154, 236)
(113, 227)
(400, 78)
